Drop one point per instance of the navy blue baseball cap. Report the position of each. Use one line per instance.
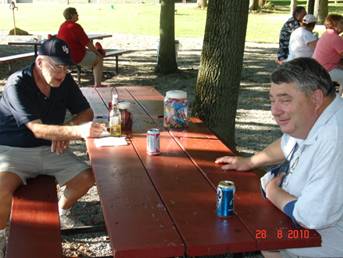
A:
(57, 50)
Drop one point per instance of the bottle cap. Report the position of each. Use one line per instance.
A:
(176, 94)
(123, 105)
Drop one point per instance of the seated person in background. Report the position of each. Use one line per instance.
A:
(285, 33)
(34, 136)
(309, 190)
(302, 41)
(329, 49)
(82, 50)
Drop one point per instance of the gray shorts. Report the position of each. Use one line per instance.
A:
(89, 59)
(31, 162)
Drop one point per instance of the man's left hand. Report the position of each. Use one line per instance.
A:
(59, 147)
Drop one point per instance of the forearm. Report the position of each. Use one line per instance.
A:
(271, 155)
(279, 197)
(83, 117)
(54, 132)
(91, 47)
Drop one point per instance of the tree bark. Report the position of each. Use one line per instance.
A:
(293, 5)
(310, 6)
(219, 75)
(253, 5)
(166, 58)
(321, 10)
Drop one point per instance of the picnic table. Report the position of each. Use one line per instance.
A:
(164, 206)
(37, 42)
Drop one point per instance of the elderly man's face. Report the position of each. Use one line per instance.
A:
(53, 74)
(294, 111)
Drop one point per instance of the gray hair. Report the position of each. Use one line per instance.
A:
(307, 74)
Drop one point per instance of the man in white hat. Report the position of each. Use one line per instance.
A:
(302, 41)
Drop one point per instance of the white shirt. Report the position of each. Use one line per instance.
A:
(316, 179)
(298, 43)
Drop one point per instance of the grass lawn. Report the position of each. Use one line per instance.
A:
(140, 19)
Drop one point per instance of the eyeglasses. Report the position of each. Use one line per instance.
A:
(57, 68)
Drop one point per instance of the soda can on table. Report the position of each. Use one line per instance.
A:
(153, 141)
(225, 195)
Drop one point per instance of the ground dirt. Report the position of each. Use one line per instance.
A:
(255, 127)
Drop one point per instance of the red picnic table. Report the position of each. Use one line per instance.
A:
(164, 206)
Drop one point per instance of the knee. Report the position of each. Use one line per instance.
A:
(87, 178)
(5, 194)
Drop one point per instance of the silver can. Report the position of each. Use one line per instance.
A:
(153, 141)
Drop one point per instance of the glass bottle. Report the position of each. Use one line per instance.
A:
(115, 117)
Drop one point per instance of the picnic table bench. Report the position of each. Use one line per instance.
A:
(16, 57)
(34, 224)
(164, 206)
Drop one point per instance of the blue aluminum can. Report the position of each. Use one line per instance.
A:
(225, 194)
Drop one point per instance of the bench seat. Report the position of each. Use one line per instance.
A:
(11, 58)
(34, 224)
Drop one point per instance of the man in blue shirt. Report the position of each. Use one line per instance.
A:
(34, 136)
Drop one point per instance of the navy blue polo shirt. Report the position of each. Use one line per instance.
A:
(22, 102)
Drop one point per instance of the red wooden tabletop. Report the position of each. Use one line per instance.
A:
(182, 181)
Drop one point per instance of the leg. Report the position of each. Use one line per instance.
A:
(271, 254)
(9, 182)
(97, 71)
(76, 188)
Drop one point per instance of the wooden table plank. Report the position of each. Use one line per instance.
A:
(136, 219)
(188, 196)
(203, 150)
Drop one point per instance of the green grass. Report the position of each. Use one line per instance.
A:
(142, 19)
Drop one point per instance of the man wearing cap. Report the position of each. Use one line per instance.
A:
(303, 42)
(83, 52)
(290, 25)
(34, 136)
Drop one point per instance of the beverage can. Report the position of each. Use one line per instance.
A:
(153, 141)
(225, 195)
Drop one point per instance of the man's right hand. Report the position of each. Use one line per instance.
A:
(91, 130)
(234, 163)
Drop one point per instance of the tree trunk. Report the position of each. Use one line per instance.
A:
(261, 3)
(202, 3)
(166, 58)
(310, 6)
(253, 5)
(293, 5)
(220, 67)
(321, 10)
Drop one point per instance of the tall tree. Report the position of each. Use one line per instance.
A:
(166, 59)
(202, 3)
(253, 5)
(310, 6)
(219, 75)
(293, 5)
(321, 10)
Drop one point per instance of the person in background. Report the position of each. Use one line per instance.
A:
(329, 49)
(34, 135)
(83, 52)
(290, 25)
(303, 41)
(308, 185)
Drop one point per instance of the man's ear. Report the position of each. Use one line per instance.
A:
(39, 60)
(318, 98)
